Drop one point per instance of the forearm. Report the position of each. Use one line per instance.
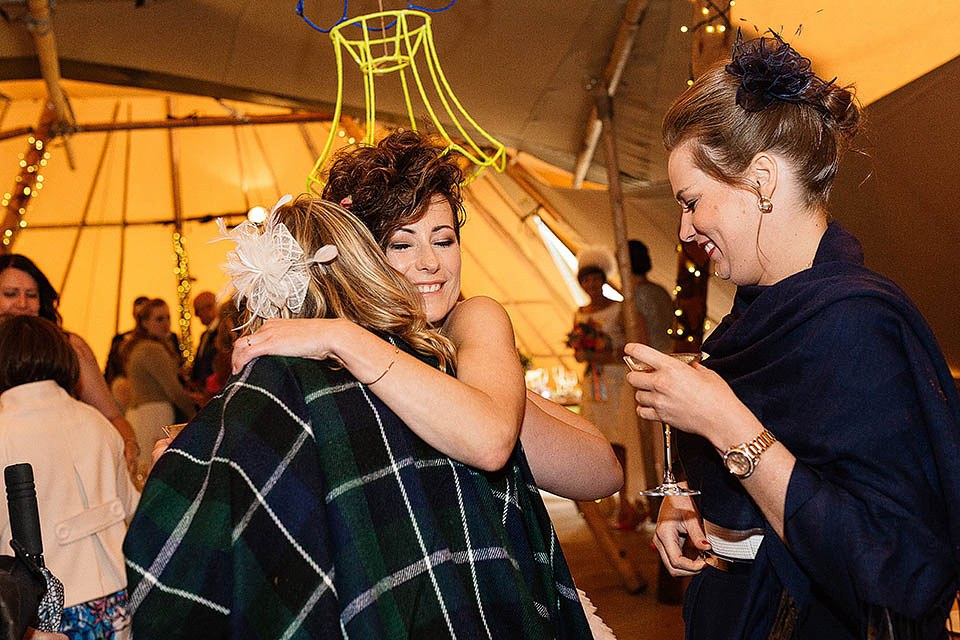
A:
(567, 454)
(767, 485)
(457, 419)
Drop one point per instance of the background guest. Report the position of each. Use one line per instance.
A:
(84, 492)
(114, 368)
(155, 390)
(205, 308)
(654, 304)
(597, 339)
(25, 290)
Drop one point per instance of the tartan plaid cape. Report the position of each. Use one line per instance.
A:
(297, 505)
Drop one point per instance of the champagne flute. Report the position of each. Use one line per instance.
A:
(669, 486)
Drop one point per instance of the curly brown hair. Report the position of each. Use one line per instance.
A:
(392, 184)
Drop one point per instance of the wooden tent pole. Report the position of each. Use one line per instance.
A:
(25, 186)
(308, 142)
(526, 182)
(626, 35)
(182, 270)
(89, 201)
(39, 25)
(634, 326)
(123, 222)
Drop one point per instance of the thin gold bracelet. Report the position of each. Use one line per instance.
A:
(389, 366)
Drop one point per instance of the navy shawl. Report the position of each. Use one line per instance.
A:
(839, 364)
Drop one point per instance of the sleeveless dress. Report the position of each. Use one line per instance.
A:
(608, 400)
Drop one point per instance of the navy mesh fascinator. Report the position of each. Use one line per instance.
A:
(770, 69)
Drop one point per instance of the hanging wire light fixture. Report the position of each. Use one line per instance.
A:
(382, 49)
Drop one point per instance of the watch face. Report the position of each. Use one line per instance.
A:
(737, 462)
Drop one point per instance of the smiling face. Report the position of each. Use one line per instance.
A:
(722, 219)
(427, 253)
(19, 294)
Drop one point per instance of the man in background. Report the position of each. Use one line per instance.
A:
(205, 308)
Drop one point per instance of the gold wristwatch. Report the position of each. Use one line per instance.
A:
(741, 460)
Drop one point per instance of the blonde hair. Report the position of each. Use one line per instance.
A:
(357, 284)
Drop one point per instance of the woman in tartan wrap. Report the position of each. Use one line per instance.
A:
(297, 504)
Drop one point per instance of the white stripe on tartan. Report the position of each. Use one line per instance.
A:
(413, 519)
(384, 585)
(177, 592)
(506, 502)
(567, 592)
(542, 610)
(466, 538)
(356, 483)
(305, 426)
(307, 608)
(327, 391)
(176, 536)
(269, 484)
(273, 516)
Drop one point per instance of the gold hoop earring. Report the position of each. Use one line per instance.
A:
(764, 204)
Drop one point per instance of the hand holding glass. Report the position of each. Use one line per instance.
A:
(669, 486)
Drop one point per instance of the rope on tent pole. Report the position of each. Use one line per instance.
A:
(308, 141)
(182, 268)
(266, 161)
(244, 187)
(89, 202)
(124, 203)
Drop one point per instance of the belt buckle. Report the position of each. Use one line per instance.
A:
(725, 565)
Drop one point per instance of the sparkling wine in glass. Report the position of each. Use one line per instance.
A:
(669, 486)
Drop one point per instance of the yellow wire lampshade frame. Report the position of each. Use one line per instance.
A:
(410, 35)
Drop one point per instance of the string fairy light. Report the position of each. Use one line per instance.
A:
(716, 17)
(27, 185)
(182, 271)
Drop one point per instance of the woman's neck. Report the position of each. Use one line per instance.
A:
(792, 245)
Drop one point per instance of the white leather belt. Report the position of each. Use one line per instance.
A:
(732, 543)
(89, 521)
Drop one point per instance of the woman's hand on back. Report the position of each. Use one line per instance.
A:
(299, 338)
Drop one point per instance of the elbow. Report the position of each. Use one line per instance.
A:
(497, 450)
(610, 478)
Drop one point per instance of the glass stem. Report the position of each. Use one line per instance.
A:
(668, 478)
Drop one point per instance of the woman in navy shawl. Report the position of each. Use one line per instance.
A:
(823, 426)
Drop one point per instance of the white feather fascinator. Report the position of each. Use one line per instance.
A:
(268, 268)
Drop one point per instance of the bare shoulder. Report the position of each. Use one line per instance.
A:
(80, 345)
(477, 316)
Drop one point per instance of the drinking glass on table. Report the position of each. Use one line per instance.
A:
(669, 486)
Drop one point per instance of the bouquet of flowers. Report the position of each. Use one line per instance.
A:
(589, 336)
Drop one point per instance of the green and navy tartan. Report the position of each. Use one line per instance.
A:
(297, 505)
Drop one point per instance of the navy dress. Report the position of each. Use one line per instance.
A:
(840, 366)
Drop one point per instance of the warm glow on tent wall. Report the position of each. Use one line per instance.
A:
(880, 45)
